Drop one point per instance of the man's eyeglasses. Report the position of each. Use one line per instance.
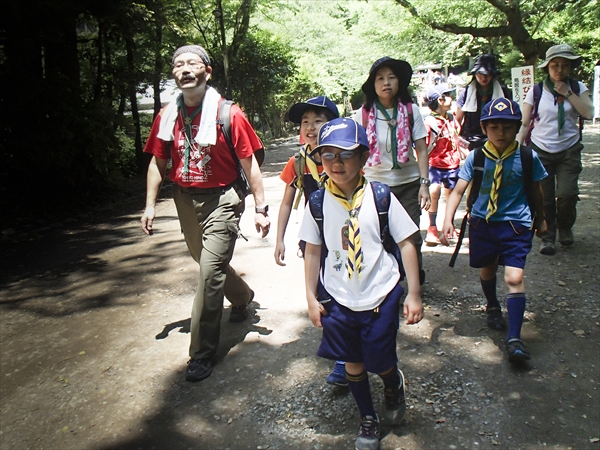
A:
(192, 64)
(345, 154)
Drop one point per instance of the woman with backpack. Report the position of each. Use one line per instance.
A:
(554, 106)
(394, 125)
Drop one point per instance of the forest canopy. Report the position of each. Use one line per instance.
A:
(72, 70)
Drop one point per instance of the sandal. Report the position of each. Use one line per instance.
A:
(495, 321)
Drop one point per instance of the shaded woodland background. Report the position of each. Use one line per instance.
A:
(71, 71)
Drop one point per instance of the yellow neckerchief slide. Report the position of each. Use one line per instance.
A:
(355, 254)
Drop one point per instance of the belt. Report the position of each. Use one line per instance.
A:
(204, 191)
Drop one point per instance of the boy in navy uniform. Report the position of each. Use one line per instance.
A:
(501, 221)
(359, 312)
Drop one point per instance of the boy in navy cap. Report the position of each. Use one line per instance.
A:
(444, 154)
(359, 311)
(501, 221)
(302, 175)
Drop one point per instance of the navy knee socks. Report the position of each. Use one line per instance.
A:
(489, 290)
(359, 386)
(391, 379)
(515, 304)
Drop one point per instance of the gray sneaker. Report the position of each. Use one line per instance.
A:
(547, 248)
(565, 237)
(395, 402)
(368, 434)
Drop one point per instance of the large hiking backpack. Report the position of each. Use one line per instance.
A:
(382, 197)
(475, 186)
(224, 122)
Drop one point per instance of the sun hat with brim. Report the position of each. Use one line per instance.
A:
(486, 65)
(298, 109)
(435, 92)
(402, 69)
(501, 109)
(342, 133)
(562, 51)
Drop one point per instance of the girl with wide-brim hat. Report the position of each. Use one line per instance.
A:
(557, 140)
(394, 124)
(483, 87)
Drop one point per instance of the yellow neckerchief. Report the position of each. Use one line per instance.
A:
(308, 161)
(491, 152)
(355, 254)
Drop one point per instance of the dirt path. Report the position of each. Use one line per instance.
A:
(93, 338)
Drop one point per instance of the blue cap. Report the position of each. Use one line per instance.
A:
(501, 109)
(297, 110)
(435, 92)
(342, 133)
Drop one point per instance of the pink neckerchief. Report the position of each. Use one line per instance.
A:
(403, 137)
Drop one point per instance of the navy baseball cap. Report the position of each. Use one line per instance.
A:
(342, 133)
(435, 92)
(298, 109)
(501, 109)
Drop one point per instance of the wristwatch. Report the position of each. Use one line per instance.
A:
(569, 93)
(264, 210)
(426, 181)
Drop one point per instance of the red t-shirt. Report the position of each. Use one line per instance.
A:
(288, 174)
(444, 154)
(211, 166)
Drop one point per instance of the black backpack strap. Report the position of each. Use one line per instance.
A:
(315, 203)
(473, 193)
(224, 121)
(382, 197)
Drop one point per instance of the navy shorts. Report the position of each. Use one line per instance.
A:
(446, 177)
(507, 243)
(367, 337)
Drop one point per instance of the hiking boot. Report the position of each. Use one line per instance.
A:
(495, 321)
(547, 248)
(198, 369)
(516, 350)
(240, 313)
(368, 434)
(338, 376)
(565, 237)
(395, 402)
(432, 238)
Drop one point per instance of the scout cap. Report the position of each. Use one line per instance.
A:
(342, 133)
(501, 109)
(298, 109)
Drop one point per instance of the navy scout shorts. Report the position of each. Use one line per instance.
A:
(445, 177)
(507, 242)
(362, 336)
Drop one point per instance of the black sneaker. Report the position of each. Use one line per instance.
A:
(516, 350)
(495, 321)
(240, 313)
(198, 369)
(368, 434)
(395, 402)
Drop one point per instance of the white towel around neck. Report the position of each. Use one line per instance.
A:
(207, 133)
(471, 100)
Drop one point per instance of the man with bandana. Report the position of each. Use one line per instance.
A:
(207, 196)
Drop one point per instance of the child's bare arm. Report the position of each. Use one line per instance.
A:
(451, 207)
(312, 264)
(282, 220)
(413, 307)
(539, 225)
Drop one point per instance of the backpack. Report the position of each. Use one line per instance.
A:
(537, 96)
(300, 181)
(382, 197)
(435, 133)
(224, 122)
(475, 186)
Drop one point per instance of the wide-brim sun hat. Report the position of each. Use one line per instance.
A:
(562, 51)
(486, 65)
(402, 69)
(501, 109)
(298, 109)
(435, 92)
(343, 133)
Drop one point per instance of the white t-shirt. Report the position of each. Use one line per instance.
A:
(545, 132)
(380, 271)
(383, 172)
